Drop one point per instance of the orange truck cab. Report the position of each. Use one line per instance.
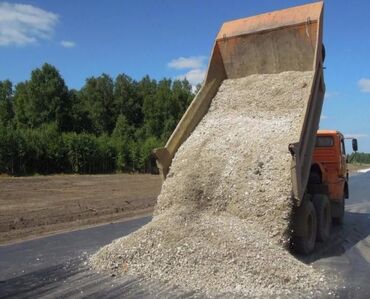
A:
(329, 172)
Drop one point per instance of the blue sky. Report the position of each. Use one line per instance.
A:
(166, 38)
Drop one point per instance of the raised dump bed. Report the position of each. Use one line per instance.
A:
(271, 43)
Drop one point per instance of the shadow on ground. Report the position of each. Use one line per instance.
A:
(355, 229)
(75, 280)
(347, 255)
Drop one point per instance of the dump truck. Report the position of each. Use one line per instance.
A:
(271, 43)
(328, 189)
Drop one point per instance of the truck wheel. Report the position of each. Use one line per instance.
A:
(338, 220)
(305, 228)
(323, 213)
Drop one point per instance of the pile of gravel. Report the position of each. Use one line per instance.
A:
(222, 219)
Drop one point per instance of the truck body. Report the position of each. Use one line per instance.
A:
(284, 40)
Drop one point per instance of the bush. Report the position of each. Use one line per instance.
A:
(147, 160)
(13, 149)
(106, 155)
(82, 152)
(46, 151)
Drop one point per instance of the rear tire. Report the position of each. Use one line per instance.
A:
(305, 228)
(323, 213)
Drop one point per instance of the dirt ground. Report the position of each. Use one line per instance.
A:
(38, 205)
(357, 166)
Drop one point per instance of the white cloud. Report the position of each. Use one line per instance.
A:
(194, 76)
(356, 135)
(67, 44)
(364, 84)
(196, 66)
(22, 24)
(193, 62)
(331, 94)
(322, 117)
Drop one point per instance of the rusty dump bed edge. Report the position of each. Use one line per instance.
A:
(284, 40)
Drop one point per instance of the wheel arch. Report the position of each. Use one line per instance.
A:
(317, 169)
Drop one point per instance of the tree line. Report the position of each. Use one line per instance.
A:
(363, 158)
(106, 126)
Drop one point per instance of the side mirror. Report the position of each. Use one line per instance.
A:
(354, 145)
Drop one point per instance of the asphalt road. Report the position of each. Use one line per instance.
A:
(348, 251)
(55, 266)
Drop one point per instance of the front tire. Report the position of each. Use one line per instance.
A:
(339, 215)
(323, 213)
(305, 228)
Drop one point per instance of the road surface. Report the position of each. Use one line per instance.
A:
(348, 251)
(55, 266)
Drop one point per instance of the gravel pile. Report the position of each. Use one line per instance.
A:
(221, 224)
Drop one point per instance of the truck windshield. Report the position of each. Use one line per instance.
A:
(324, 141)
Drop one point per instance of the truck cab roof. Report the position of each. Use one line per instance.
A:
(328, 132)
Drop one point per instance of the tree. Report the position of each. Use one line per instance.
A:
(146, 91)
(146, 87)
(121, 136)
(80, 121)
(82, 152)
(21, 99)
(48, 99)
(197, 88)
(13, 149)
(175, 106)
(182, 93)
(98, 101)
(46, 151)
(122, 130)
(126, 100)
(43, 99)
(147, 161)
(6, 102)
(156, 108)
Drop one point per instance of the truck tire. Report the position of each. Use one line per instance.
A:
(305, 228)
(323, 213)
(339, 219)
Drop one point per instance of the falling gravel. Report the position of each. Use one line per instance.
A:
(221, 225)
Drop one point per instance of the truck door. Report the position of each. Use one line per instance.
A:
(343, 164)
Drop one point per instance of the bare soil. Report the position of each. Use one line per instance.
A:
(355, 167)
(38, 205)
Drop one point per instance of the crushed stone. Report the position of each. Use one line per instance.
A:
(221, 224)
